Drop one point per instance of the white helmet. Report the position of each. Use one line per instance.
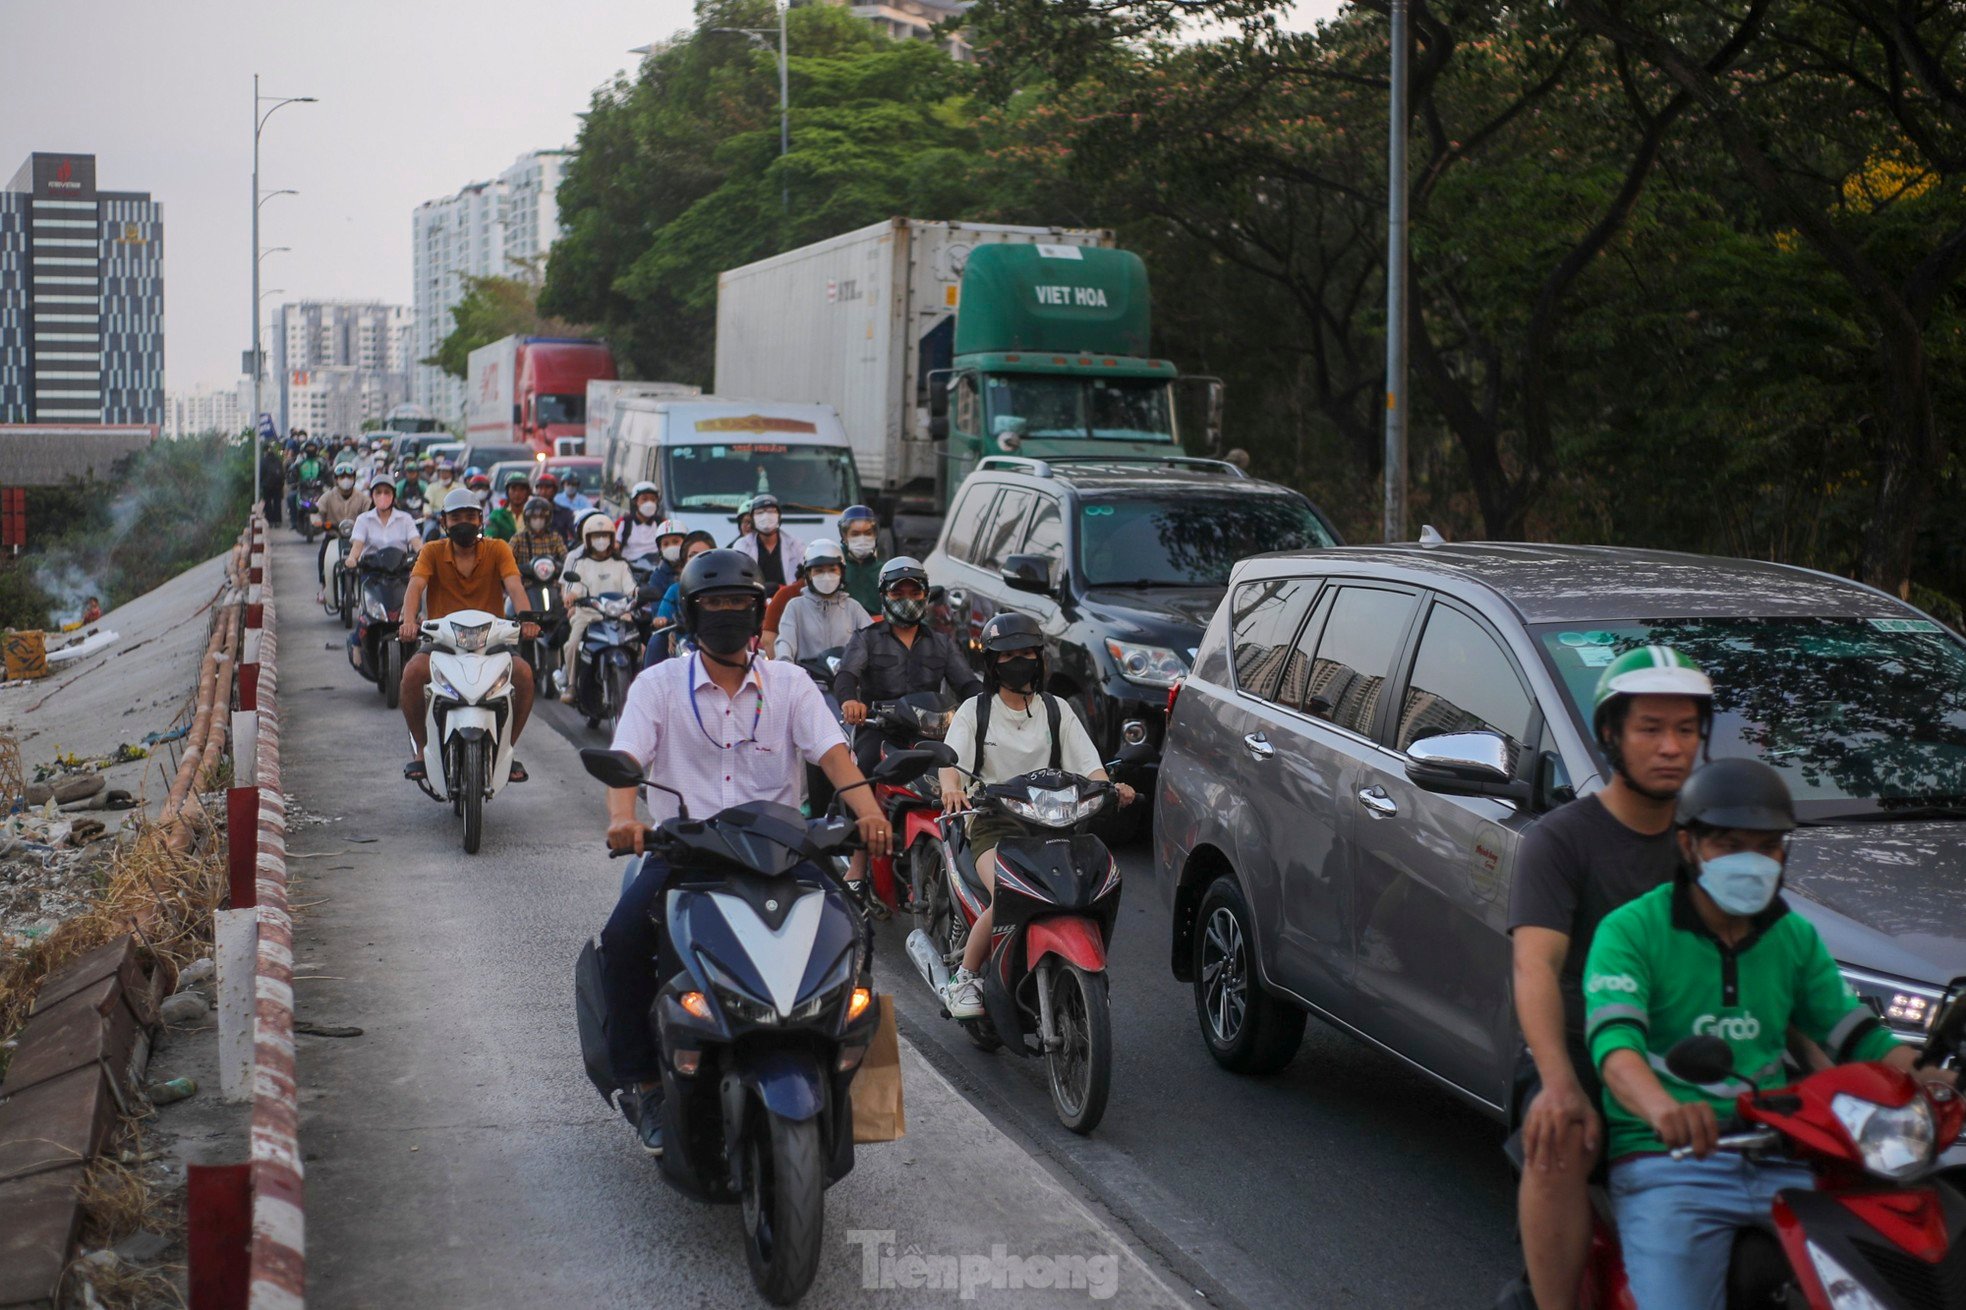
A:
(824, 551)
(670, 528)
(640, 487)
(596, 524)
(462, 498)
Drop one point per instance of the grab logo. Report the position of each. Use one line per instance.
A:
(1612, 982)
(1734, 1028)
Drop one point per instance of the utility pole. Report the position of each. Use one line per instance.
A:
(1396, 397)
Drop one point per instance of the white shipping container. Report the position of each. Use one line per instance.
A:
(491, 381)
(858, 322)
(604, 398)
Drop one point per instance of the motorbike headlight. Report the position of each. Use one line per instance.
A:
(471, 637)
(443, 686)
(542, 568)
(1058, 808)
(1843, 1290)
(614, 609)
(1894, 1141)
(373, 608)
(1907, 1008)
(1147, 666)
(502, 685)
(737, 1003)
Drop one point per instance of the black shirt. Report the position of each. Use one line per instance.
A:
(771, 563)
(878, 666)
(1577, 865)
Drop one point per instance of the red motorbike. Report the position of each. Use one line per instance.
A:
(1882, 1229)
(911, 808)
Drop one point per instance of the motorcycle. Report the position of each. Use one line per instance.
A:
(821, 668)
(375, 649)
(765, 1013)
(306, 518)
(911, 807)
(337, 584)
(1882, 1229)
(467, 717)
(609, 657)
(1058, 894)
(541, 579)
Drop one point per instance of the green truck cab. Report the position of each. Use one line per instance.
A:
(1050, 361)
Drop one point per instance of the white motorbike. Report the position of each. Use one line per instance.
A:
(467, 715)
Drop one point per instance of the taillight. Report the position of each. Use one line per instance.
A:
(1172, 692)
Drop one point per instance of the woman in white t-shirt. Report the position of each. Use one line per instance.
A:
(1019, 741)
(382, 525)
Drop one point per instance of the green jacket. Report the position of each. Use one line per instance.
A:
(1655, 975)
(863, 582)
(501, 524)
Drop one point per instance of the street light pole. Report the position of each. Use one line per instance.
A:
(1396, 398)
(759, 37)
(259, 122)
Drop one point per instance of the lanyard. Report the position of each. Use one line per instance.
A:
(757, 712)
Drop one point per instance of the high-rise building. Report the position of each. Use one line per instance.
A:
(493, 228)
(339, 363)
(81, 298)
(206, 409)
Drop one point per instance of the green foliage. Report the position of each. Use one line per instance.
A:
(23, 604)
(492, 308)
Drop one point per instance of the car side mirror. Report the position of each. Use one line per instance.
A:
(1030, 573)
(1702, 1059)
(1466, 764)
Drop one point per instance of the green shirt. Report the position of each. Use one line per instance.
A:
(1656, 975)
(863, 583)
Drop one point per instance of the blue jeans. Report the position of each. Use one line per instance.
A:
(1677, 1220)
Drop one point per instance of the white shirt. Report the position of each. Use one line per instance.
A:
(1020, 743)
(400, 531)
(791, 551)
(712, 753)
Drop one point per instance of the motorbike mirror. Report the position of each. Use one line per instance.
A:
(570, 577)
(1134, 754)
(1948, 1030)
(1702, 1059)
(615, 768)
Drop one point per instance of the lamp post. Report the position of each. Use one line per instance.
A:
(760, 37)
(1396, 285)
(259, 123)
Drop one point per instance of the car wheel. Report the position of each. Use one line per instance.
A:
(1247, 1029)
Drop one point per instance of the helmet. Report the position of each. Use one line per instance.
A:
(383, 480)
(856, 514)
(596, 521)
(344, 469)
(824, 551)
(518, 480)
(461, 499)
(641, 487)
(1649, 671)
(1737, 793)
(717, 572)
(477, 482)
(765, 501)
(902, 569)
(545, 480)
(1011, 632)
(670, 528)
(743, 507)
(573, 480)
(903, 609)
(538, 505)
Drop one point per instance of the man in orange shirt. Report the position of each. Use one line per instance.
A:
(463, 571)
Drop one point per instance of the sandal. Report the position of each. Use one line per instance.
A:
(415, 770)
(518, 773)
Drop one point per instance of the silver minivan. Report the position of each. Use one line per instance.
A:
(1368, 731)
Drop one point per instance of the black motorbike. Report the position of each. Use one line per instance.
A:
(375, 648)
(821, 668)
(759, 1050)
(542, 579)
(338, 590)
(306, 498)
(609, 657)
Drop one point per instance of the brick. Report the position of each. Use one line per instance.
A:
(59, 1122)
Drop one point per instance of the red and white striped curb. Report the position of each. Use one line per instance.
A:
(278, 1260)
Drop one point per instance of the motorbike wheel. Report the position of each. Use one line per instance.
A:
(347, 604)
(983, 1036)
(392, 673)
(924, 873)
(1247, 1029)
(1081, 1069)
(784, 1205)
(471, 794)
(307, 533)
(618, 680)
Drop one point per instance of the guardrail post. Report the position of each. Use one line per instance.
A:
(219, 1238)
(237, 954)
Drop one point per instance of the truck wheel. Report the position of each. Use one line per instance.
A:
(1246, 1029)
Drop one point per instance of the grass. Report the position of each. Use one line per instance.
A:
(117, 1202)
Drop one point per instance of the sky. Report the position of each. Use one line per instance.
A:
(417, 98)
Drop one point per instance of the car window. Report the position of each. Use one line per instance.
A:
(1000, 541)
(1263, 618)
(1355, 655)
(1463, 681)
(1295, 688)
(1046, 535)
(963, 523)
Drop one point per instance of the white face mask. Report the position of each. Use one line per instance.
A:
(484, 498)
(766, 522)
(647, 508)
(672, 553)
(825, 583)
(598, 546)
(860, 546)
(346, 484)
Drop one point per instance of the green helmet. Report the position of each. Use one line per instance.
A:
(1648, 671)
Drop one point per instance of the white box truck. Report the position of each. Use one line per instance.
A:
(604, 396)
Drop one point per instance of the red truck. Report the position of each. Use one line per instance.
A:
(530, 390)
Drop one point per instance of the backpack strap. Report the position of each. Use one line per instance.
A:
(1057, 746)
(982, 731)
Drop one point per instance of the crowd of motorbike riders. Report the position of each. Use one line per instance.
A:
(1615, 894)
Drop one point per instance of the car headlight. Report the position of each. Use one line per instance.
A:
(471, 637)
(1894, 1141)
(1147, 666)
(1060, 808)
(1907, 1008)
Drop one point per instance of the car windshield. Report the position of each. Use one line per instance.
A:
(806, 479)
(1189, 541)
(486, 457)
(1862, 716)
(1112, 409)
(560, 409)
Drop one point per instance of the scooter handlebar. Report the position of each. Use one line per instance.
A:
(1757, 1139)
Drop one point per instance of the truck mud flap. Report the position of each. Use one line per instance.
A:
(590, 1010)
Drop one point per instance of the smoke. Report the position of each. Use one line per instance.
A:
(69, 584)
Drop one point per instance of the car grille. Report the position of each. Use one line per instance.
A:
(1940, 1286)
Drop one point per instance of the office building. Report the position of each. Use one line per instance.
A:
(338, 363)
(502, 228)
(81, 298)
(206, 409)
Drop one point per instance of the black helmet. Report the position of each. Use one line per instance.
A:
(717, 572)
(538, 505)
(902, 569)
(1008, 632)
(1737, 793)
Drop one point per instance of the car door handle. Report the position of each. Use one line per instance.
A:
(1377, 803)
(1258, 746)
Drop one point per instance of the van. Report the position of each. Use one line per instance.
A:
(709, 454)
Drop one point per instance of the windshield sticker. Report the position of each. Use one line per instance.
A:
(1595, 657)
(1098, 511)
(755, 423)
(755, 449)
(1581, 639)
(1905, 625)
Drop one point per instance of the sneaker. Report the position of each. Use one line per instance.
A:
(964, 996)
(644, 1110)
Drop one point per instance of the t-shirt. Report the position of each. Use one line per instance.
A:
(450, 591)
(1577, 865)
(399, 532)
(1020, 740)
(1657, 976)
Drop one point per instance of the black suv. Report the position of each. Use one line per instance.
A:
(1122, 562)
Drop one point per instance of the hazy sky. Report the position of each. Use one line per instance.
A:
(417, 98)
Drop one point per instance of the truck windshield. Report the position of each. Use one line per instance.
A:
(1862, 717)
(1190, 541)
(1111, 409)
(806, 479)
(559, 409)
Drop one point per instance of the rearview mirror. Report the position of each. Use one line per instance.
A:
(1476, 763)
(615, 768)
(570, 576)
(1030, 573)
(908, 765)
(1703, 1059)
(1135, 754)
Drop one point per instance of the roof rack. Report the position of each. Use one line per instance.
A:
(1042, 468)
(1037, 468)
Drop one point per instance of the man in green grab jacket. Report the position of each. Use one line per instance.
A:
(1714, 952)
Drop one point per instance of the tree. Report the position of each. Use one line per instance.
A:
(496, 307)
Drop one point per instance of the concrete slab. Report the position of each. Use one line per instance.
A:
(38, 1219)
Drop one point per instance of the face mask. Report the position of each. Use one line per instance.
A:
(766, 522)
(906, 612)
(647, 509)
(598, 546)
(1019, 674)
(346, 484)
(726, 632)
(484, 498)
(860, 547)
(462, 534)
(671, 554)
(825, 583)
(536, 524)
(1742, 883)
(384, 503)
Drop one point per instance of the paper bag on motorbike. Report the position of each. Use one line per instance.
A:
(878, 1115)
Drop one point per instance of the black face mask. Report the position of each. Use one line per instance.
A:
(1019, 674)
(906, 612)
(462, 534)
(726, 632)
